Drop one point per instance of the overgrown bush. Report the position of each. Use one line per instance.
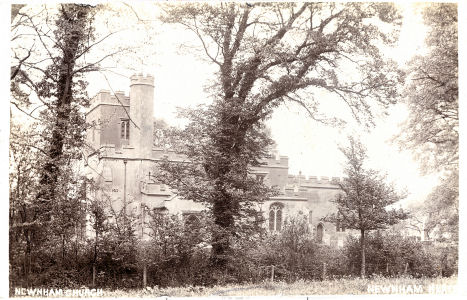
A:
(391, 254)
(177, 253)
(296, 255)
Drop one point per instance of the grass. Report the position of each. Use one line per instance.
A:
(350, 286)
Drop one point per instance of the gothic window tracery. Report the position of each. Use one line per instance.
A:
(125, 129)
(275, 217)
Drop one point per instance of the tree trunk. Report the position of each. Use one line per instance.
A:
(362, 251)
(223, 218)
(62, 106)
(93, 275)
(220, 248)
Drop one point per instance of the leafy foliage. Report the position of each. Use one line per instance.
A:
(268, 54)
(49, 214)
(177, 252)
(442, 209)
(295, 254)
(365, 201)
(48, 207)
(366, 198)
(217, 172)
(390, 254)
(432, 130)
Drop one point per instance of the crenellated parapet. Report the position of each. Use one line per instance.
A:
(142, 79)
(312, 180)
(106, 97)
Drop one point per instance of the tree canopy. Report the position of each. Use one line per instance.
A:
(432, 129)
(366, 199)
(268, 54)
(54, 48)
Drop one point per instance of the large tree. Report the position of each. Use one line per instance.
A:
(366, 199)
(54, 48)
(50, 212)
(432, 129)
(267, 54)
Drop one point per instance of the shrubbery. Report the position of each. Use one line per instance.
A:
(391, 254)
(295, 254)
(177, 253)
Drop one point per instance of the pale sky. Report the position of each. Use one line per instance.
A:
(312, 148)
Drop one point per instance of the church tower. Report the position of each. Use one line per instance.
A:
(141, 114)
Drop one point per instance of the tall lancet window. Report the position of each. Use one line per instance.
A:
(125, 130)
(275, 217)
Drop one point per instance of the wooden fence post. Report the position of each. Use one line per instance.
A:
(272, 273)
(387, 268)
(324, 271)
(406, 266)
(144, 275)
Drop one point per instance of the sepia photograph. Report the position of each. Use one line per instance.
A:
(231, 149)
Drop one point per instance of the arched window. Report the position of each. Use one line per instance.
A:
(275, 217)
(319, 232)
(125, 130)
(192, 221)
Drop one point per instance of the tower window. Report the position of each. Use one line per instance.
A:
(125, 130)
(275, 217)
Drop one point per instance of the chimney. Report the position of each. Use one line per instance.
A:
(141, 113)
